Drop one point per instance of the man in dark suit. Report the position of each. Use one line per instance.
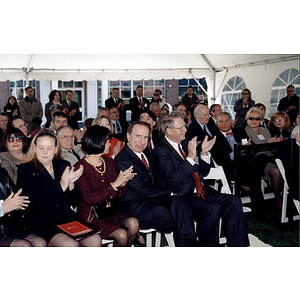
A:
(290, 103)
(264, 122)
(150, 118)
(201, 127)
(73, 109)
(120, 125)
(251, 166)
(138, 103)
(174, 161)
(152, 206)
(114, 100)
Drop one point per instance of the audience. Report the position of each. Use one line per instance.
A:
(3, 122)
(100, 185)
(69, 151)
(12, 107)
(115, 144)
(152, 206)
(119, 125)
(279, 124)
(73, 111)
(31, 110)
(115, 101)
(261, 135)
(59, 119)
(264, 122)
(157, 97)
(14, 146)
(214, 111)
(13, 232)
(49, 182)
(55, 98)
(242, 106)
(138, 103)
(189, 99)
(290, 103)
(174, 161)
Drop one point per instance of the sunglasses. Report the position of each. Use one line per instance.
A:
(245, 93)
(18, 138)
(254, 118)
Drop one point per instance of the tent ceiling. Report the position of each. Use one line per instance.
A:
(125, 66)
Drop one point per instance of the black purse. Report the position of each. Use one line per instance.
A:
(12, 223)
(107, 208)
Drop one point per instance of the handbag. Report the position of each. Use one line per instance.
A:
(107, 208)
(12, 223)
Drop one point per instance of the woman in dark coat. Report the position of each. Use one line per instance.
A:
(48, 181)
(12, 107)
(100, 183)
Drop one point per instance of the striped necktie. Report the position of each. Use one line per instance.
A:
(145, 162)
(200, 189)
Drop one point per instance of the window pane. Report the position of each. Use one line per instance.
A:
(282, 94)
(113, 83)
(183, 82)
(296, 81)
(274, 96)
(148, 82)
(192, 82)
(159, 82)
(137, 82)
(284, 75)
(126, 82)
(182, 91)
(68, 84)
(226, 88)
(19, 83)
(60, 84)
(234, 98)
(125, 93)
(294, 73)
(78, 84)
(278, 82)
(230, 82)
(12, 84)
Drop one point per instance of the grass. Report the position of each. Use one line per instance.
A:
(269, 229)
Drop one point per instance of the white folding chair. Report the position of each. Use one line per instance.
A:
(150, 231)
(109, 243)
(284, 218)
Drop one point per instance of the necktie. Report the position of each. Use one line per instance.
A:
(118, 127)
(145, 162)
(149, 144)
(198, 184)
(205, 131)
(229, 133)
(75, 154)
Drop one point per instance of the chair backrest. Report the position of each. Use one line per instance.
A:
(217, 173)
(281, 169)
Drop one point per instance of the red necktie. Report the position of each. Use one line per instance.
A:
(198, 184)
(145, 162)
(229, 133)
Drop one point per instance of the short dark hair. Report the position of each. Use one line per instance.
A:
(29, 87)
(189, 87)
(59, 114)
(94, 139)
(129, 130)
(150, 113)
(290, 86)
(12, 118)
(259, 105)
(4, 114)
(139, 87)
(15, 131)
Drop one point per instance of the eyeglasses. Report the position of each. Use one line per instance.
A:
(18, 138)
(254, 118)
(279, 120)
(182, 127)
(245, 93)
(72, 137)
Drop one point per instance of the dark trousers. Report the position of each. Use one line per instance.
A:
(207, 213)
(170, 213)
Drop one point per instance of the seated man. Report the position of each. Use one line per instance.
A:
(59, 119)
(120, 125)
(153, 207)
(69, 151)
(150, 118)
(252, 167)
(174, 161)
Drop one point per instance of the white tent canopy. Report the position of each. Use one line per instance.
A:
(126, 66)
(259, 71)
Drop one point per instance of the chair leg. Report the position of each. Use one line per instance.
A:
(157, 239)
(170, 239)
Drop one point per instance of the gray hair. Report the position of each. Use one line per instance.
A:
(58, 132)
(57, 105)
(223, 113)
(168, 121)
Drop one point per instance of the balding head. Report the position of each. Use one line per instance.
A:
(201, 113)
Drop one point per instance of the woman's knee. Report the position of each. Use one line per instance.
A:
(92, 241)
(120, 237)
(20, 243)
(36, 241)
(133, 225)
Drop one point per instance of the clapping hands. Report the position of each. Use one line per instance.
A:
(69, 177)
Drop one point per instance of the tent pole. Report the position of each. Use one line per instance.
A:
(198, 83)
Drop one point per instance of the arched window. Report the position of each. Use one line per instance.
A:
(232, 92)
(289, 76)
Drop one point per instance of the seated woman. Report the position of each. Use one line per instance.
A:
(14, 147)
(279, 124)
(100, 183)
(261, 135)
(12, 107)
(49, 182)
(10, 200)
(115, 144)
